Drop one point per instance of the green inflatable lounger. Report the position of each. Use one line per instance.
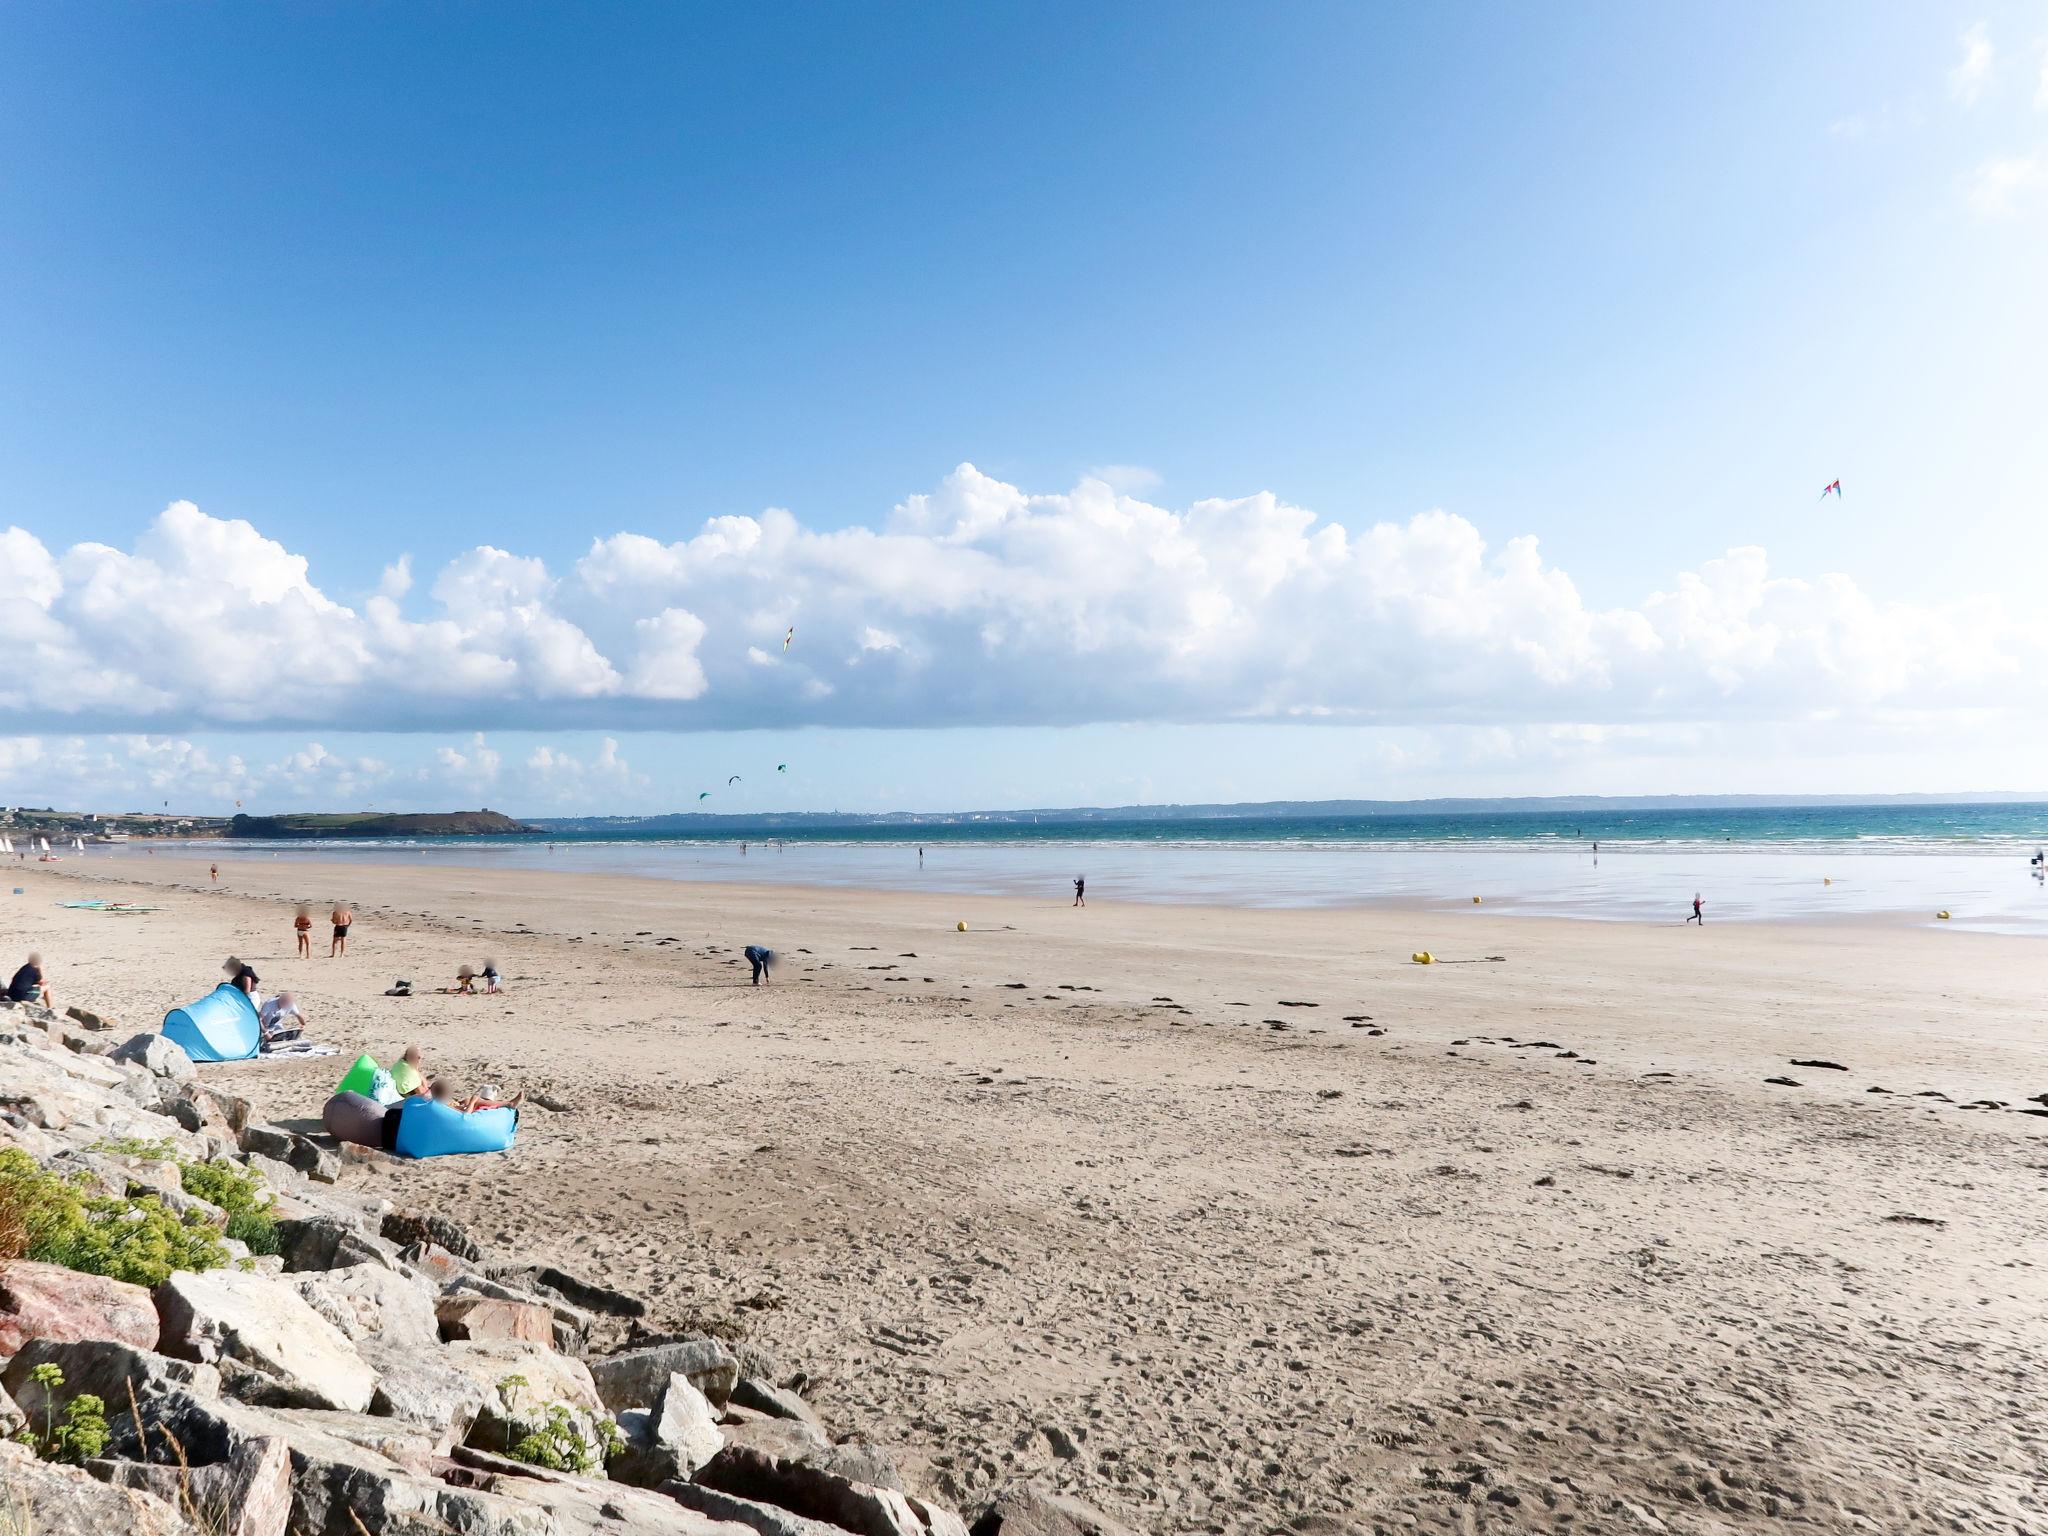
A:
(427, 1128)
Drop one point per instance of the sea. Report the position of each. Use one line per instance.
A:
(1903, 862)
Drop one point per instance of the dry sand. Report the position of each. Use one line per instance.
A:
(1059, 1196)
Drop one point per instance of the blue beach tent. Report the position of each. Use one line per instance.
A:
(221, 1026)
(430, 1129)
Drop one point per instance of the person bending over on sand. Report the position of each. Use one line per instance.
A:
(244, 980)
(406, 1075)
(302, 925)
(1080, 891)
(465, 981)
(28, 985)
(341, 917)
(762, 960)
(443, 1092)
(1697, 915)
(281, 1019)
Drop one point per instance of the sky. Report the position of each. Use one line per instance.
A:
(566, 408)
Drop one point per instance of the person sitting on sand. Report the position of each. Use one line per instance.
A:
(762, 960)
(302, 924)
(443, 1092)
(406, 1075)
(29, 986)
(281, 1019)
(341, 917)
(465, 982)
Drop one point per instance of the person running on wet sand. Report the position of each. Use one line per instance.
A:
(302, 924)
(1080, 890)
(341, 917)
(1697, 915)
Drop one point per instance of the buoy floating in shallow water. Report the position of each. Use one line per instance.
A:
(1475, 901)
(959, 927)
(1423, 957)
(1942, 914)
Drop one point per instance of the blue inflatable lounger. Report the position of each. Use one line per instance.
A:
(430, 1129)
(221, 1026)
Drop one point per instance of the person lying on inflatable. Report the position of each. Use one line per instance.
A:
(441, 1091)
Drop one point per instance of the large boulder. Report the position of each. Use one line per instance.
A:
(249, 1494)
(328, 1242)
(669, 1441)
(487, 1317)
(634, 1378)
(519, 1382)
(48, 1301)
(415, 1384)
(761, 1519)
(776, 1402)
(114, 1373)
(367, 1301)
(755, 1448)
(406, 1227)
(159, 1056)
(300, 1358)
(839, 1495)
(1029, 1510)
(45, 1499)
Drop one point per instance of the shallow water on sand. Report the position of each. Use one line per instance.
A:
(1986, 890)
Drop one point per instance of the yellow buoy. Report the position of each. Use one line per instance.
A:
(1942, 914)
(1423, 957)
(1475, 901)
(959, 927)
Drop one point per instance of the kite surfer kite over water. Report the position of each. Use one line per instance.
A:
(1832, 485)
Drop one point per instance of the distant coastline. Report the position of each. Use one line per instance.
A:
(375, 825)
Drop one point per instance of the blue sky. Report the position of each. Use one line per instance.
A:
(391, 281)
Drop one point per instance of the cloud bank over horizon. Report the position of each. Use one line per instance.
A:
(977, 604)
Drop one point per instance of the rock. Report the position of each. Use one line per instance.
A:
(367, 1301)
(110, 1371)
(12, 1419)
(670, 1440)
(48, 1500)
(794, 1440)
(545, 1378)
(791, 1439)
(753, 1466)
(264, 1324)
(405, 1227)
(326, 1242)
(415, 1384)
(86, 1018)
(552, 1282)
(564, 1502)
(34, 1109)
(233, 1108)
(249, 1494)
(47, 1301)
(1029, 1510)
(635, 1378)
(829, 1500)
(777, 1402)
(487, 1317)
(762, 1519)
(269, 1141)
(161, 1057)
(315, 1162)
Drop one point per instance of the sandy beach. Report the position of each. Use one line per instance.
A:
(1232, 1221)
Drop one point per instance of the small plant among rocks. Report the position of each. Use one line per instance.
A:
(54, 1220)
(239, 1192)
(80, 1435)
(554, 1440)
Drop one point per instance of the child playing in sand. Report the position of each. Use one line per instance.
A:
(490, 978)
(465, 982)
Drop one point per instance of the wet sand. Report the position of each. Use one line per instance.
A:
(1235, 1220)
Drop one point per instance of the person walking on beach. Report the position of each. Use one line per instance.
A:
(213, 873)
(1080, 890)
(341, 917)
(1698, 916)
(302, 925)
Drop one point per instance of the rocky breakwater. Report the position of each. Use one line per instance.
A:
(208, 1326)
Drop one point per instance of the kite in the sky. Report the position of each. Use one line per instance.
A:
(705, 796)
(733, 780)
(791, 635)
(782, 767)
(1832, 485)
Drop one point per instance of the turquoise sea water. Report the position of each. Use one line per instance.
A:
(1752, 863)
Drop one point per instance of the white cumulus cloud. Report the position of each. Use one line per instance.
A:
(1971, 76)
(977, 603)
